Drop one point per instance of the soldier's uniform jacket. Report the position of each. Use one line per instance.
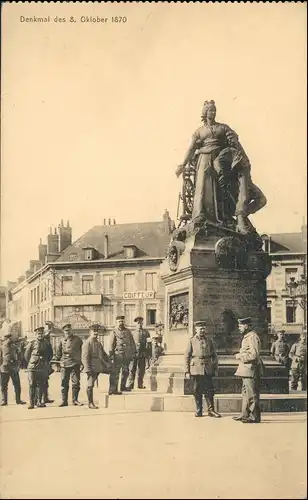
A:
(280, 350)
(141, 340)
(94, 358)
(298, 354)
(9, 358)
(69, 351)
(200, 356)
(38, 354)
(122, 344)
(250, 364)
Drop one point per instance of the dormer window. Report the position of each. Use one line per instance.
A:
(130, 251)
(89, 253)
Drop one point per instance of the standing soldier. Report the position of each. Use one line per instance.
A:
(45, 397)
(122, 352)
(9, 369)
(95, 361)
(141, 338)
(250, 370)
(201, 364)
(298, 355)
(38, 355)
(280, 350)
(69, 355)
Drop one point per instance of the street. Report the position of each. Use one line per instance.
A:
(74, 452)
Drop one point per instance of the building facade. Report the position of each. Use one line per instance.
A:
(289, 260)
(112, 269)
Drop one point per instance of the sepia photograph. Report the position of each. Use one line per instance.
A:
(153, 284)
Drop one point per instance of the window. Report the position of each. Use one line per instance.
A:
(32, 301)
(45, 292)
(269, 312)
(58, 314)
(130, 314)
(88, 253)
(291, 272)
(42, 292)
(151, 281)
(67, 285)
(38, 294)
(34, 296)
(31, 322)
(108, 284)
(34, 321)
(109, 315)
(42, 318)
(87, 285)
(151, 314)
(130, 252)
(129, 282)
(290, 311)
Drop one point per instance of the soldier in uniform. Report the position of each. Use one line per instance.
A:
(298, 355)
(69, 355)
(45, 397)
(280, 350)
(9, 369)
(122, 352)
(95, 361)
(250, 370)
(38, 355)
(201, 363)
(142, 338)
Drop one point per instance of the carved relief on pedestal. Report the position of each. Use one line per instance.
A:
(178, 311)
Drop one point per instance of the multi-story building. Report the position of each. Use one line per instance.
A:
(289, 258)
(2, 302)
(112, 269)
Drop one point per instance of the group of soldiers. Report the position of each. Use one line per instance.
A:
(201, 364)
(127, 356)
(294, 358)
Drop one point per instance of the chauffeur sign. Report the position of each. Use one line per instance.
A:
(139, 295)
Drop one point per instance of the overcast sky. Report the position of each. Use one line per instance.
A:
(96, 117)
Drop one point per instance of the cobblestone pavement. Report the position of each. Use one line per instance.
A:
(73, 452)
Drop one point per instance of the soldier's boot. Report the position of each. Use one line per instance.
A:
(4, 397)
(91, 404)
(32, 398)
(64, 392)
(45, 397)
(75, 397)
(198, 401)
(18, 400)
(210, 408)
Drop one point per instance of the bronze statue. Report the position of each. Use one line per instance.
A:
(222, 191)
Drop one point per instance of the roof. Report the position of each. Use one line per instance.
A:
(150, 238)
(288, 242)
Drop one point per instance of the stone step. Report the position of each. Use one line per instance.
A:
(224, 403)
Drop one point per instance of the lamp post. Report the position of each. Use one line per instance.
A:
(298, 293)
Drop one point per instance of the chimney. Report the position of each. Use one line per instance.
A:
(114, 222)
(65, 236)
(106, 246)
(104, 222)
(52, 242)
(42, 252)
(168, 221)
(109, 222)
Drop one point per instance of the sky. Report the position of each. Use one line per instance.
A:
(97, 116)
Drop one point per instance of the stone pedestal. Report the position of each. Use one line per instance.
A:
(219, 276)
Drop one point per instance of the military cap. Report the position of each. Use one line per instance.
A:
(200, 323)
(48, 323)
(67, 325)
(39, 329)
(120, 317)
(281, 332)
(244, 321)
(95, 327)
(139, 318)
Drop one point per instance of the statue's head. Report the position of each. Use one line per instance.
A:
(208, 110)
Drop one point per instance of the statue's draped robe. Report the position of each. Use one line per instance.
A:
(218, 147)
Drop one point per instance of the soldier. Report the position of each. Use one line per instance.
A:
(45, 397)
(280, 349)
(201, 364)
(38, 355)
(142, 338)
(69, 355)
(95, 361)
(9, 369)
(250, 370)
(122, 352)
(298, 355)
